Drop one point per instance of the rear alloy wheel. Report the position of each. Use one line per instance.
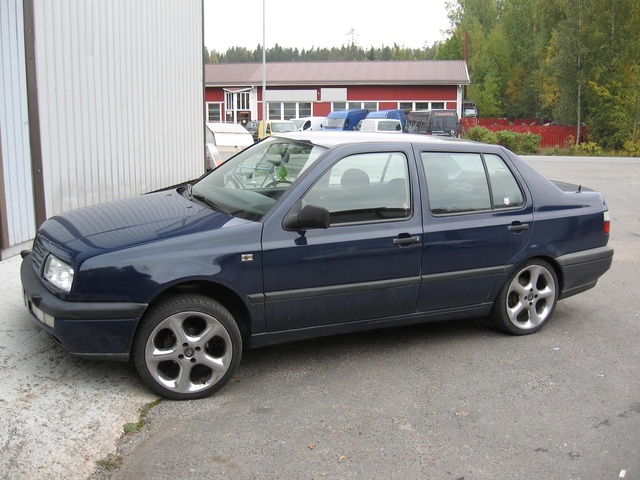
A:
(528, 299)
(188, 347)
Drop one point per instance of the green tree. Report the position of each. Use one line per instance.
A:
(613, 79)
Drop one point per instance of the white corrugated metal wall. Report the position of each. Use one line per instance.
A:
(120, 96)
(14, 126)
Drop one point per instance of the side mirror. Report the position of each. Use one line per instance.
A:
(311, 216)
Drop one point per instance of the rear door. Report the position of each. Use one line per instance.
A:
(366, 265)
(478, 218)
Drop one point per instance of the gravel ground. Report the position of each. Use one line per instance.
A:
(58, 414)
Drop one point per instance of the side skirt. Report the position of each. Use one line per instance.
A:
(273, 338)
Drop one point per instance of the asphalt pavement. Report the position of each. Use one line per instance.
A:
(445, 401)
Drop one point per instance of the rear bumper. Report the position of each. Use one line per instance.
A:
(581, 270)
(99, 330)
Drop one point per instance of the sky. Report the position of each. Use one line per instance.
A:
(305, 24)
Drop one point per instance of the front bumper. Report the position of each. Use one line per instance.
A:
(581, 270)
(99, 330)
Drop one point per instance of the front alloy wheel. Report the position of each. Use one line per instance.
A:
(528, 299)
(187, 347)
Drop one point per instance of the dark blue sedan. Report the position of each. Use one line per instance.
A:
(308, 234)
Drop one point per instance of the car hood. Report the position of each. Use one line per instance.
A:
(124, 223)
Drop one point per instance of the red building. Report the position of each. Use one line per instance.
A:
(234, 93)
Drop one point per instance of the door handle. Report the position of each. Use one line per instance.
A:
(406, 240)
(518, 227)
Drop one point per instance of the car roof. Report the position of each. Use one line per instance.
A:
(379, 120)
(309, 118)
(329, 138)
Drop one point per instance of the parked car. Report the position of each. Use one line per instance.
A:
(379, 125)
(469, 109)
(223, 140)
(267, 128)
(345, 119)
(309, 123)
(306, 234)
(252, 128)
(398, 114)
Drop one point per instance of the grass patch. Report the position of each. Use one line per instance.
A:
(112, 462)
(133, 428)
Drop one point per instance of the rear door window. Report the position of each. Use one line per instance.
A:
(469, 182)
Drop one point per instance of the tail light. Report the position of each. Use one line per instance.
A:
(607, 222)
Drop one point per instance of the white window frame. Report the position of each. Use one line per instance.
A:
(276, 110)
(212, 118)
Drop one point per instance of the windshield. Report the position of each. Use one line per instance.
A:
(282, 127)
(249, 184)
(389, 126)
(334, 123)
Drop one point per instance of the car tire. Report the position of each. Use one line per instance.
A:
(527, 300)
(187, 347)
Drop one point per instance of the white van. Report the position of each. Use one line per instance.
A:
(309, 123)
(388, 125)
(223, 140)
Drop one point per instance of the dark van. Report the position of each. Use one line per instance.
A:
(444, 123)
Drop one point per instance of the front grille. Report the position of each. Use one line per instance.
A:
(37, 254)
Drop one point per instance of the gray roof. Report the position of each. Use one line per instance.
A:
(425, 72)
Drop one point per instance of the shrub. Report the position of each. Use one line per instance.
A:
(481, 134)
(632, 148)
(520, 143)
(586, 149)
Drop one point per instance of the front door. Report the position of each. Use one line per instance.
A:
(244, 117)
(366, 265)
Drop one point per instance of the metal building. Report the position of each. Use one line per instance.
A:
(99, 101)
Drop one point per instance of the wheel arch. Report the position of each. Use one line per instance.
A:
(545, 257)
(228, 298)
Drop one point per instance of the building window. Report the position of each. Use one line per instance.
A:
(238, 101)
(243, 101)
(275, 111)
(304, 110)
(413, 106)
(214, 112)
(339, 106)
(288, 110)
(371, 106)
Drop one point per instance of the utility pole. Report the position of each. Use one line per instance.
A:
(352, 33)
(264, 63)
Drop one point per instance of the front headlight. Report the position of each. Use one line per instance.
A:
(58, 273)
